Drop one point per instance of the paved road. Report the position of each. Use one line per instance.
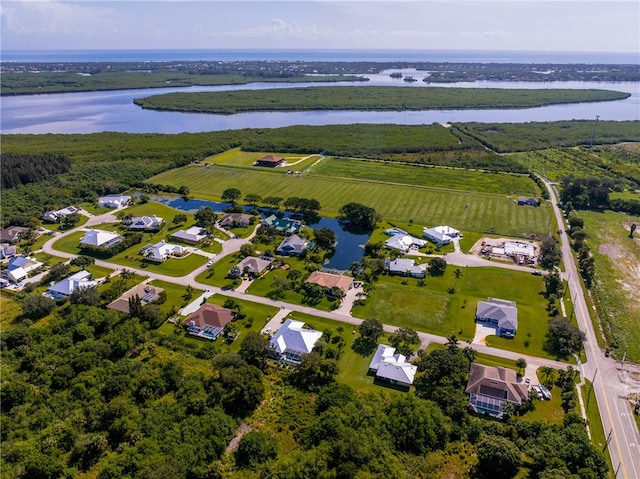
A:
(611, 385)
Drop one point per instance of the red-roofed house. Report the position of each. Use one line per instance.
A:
(208, 321)
(270, 160)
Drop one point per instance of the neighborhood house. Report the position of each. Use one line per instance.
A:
(114, 201)
(284, 225)
(501, 313)
(331, 282)
(55, 216)
(441, 235)
(235, 220)
(7, 250)
(208, 321)
(145, 223)
(253, 266)
(292, 245)
(405, 267)
(161, 251)
(145, 292)
(62, 289)
(491, 387)
(103, 239)
(392, 367)
(404, 242)
(270, 161)
(292, 340)
(192, 235)
(13, 234)
(19, 268)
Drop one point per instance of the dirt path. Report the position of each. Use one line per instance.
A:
(233, 444)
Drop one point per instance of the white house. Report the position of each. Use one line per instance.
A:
(114, 201)
(54, 216)
(19, 268)
(404, 243)
(145, 223)
(405, 266)
(192, 235)
(292, 340)
(102, 238)
(81, 279)
(161, 251)
(441, 235)
(392, 367)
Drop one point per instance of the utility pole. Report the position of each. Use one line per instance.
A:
(590, 389)
(593, 133)
(607, 441)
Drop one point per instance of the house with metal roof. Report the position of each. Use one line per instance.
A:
(501, 313)
(404, 242)
(192, 235)
(405, 267)
(490, 388)
(392, 367)
(54, 216)
(161, 251)
(293, 340)
(441, 235)
(64, 288)
(114, 201)
(101, 238)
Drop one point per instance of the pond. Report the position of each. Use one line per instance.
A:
(350, 245)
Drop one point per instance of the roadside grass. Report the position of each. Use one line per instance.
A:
(436, 177)
(431, 308)
(175, 295)
(617, 259)
(131, 281)
(465, 210)
(98, 271)
(49, 259)
(215, 275)
(598, 435)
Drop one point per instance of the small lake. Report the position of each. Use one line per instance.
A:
(350, 241)
(93, 112)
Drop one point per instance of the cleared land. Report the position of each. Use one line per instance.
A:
(372, 98)
(617, 277)
(466, 210)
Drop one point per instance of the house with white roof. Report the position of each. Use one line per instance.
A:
(19, 268)
(142, 223)
(441, 235)
(101, 238)
(404, 242)
(161, 251)
(81, 279)
(293, 340)
(405, 267)
(114, 201)
(392, 367)
(192, 235)
(55, 216)
(501, 313)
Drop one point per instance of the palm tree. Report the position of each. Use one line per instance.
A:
(452, 344)
(521, 364)
(548, 375)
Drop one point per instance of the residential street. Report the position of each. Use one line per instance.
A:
(611, 385)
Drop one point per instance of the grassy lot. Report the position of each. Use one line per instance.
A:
(82, 219)
(10, 309)
(617, 265)
(431, 308)
(465, 210)
(598, 436)
(49, 259)
(446, 178)
(175, 295)
(238, 157)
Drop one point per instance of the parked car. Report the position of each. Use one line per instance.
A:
(607, 353)
(545, 392)
(527, 382)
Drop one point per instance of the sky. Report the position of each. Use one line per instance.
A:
(513, 25)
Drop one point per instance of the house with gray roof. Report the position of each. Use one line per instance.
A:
(293, 340)
(405, 267)
(501, 313)
(490, 388)
(392, 367)
(254, 266)
(292, 245)
(143, 223)
(64, 288)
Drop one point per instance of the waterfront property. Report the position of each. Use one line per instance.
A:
(404, 243)
(192, 235)
(405, 267)
(235, 220)
(101, 238)
(292, 245)
(114, 201)
(392, 367)
(145, 292)
(64, 288)
(441, 235)
(491, 387)
(293, 340)
(161, 251)
(208, 321)
(283, 225)
(501, 313)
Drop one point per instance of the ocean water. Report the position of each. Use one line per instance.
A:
(449, 56)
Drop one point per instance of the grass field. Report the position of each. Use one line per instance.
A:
(432, 309)
(465, 210)
(617, 277)
(238, 157)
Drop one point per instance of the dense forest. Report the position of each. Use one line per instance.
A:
(369, 98)
(22, 169)
(95, 391)
(105, 163)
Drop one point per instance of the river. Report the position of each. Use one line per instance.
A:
(92, 112)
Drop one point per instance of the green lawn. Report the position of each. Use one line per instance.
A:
(598, 435)
(175, 295)
(239, 157)
(465, 210)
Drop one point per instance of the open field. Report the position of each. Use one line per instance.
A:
(466, 210)
(239, 157)
(617, 278)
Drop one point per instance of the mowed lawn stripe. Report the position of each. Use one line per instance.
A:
(394, 202)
